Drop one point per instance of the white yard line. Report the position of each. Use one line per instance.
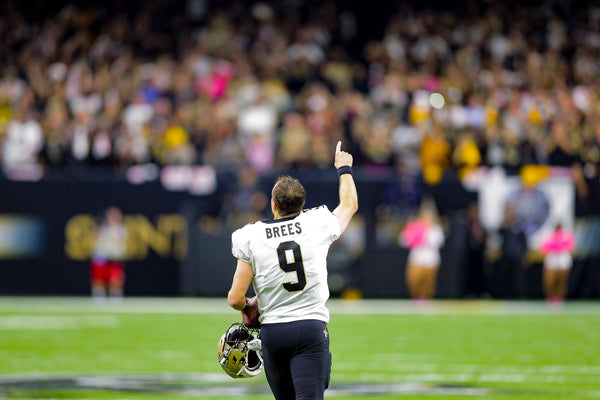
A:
(377, 362)
(220, 385)
(343, 307)
(454, 377)
(57, 322)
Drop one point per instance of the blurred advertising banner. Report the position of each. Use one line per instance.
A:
(21, 236)
(587, 237)
(163, 235)
(48, 231)
(540, 201)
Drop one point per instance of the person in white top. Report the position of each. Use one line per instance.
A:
(423, 237)
(285, 260)
(107, 270)
(23, 142)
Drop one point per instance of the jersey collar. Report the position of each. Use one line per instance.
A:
(275, 221)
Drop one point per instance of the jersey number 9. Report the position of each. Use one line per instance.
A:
(296, 265)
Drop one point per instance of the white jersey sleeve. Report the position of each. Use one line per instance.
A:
(289, 261)
(240, 245)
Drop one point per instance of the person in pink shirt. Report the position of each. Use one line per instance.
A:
(557, 249)
(423, 237)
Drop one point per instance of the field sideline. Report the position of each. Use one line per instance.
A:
(165, 348)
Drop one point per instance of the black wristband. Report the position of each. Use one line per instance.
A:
(344, 169)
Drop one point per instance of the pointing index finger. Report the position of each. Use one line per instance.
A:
(338, 148)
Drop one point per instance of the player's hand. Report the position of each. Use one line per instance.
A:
(250, 314)
(341, 157)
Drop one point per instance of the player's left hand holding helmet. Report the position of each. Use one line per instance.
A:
(239, 352)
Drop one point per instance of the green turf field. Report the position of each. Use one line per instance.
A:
(65, 348)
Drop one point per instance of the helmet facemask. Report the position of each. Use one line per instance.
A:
(239, 352)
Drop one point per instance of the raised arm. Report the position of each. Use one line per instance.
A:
(348, 196)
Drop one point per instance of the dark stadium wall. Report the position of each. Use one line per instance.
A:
(167, 253)
(66, 212)
(179, 243)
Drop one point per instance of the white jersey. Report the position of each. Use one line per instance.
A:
(289, 261)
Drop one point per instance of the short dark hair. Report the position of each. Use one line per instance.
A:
(288, 195)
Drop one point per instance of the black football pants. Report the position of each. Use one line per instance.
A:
(297, 359)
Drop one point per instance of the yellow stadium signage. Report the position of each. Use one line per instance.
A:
(167, 236)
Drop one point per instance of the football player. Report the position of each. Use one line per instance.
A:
(285, 260)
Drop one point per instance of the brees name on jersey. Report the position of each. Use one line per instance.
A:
(283, 230)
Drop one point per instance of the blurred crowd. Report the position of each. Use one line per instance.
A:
(274, 85)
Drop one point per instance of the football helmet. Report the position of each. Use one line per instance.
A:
(239, 351)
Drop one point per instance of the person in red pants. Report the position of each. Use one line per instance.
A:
(107, 272)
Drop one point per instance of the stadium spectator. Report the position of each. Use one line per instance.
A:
(435, 154)
(23, 141)
(530, 202)
(507, 274)
(294, 149)
(475, 279)
(248, 202)
(112, 73)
